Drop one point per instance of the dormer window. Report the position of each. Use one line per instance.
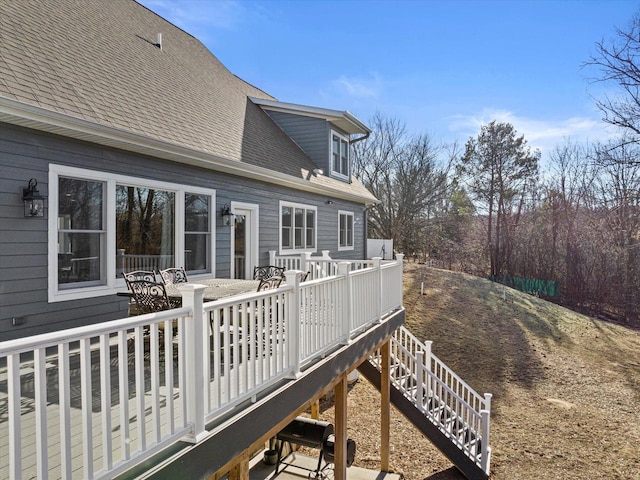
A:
(339, 155)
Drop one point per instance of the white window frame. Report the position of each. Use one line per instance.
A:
(343, 138)
(294, 250)
(353, 227)
(112, 284)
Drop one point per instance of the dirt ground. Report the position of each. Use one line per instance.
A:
(566, 388)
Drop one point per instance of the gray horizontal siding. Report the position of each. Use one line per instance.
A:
(311, 135)
(26, 154)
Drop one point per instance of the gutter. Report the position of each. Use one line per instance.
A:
(359, 139)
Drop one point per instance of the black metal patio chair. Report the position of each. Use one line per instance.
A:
(148, 275)
(149, 296)
(270, 283)
(267, 271)
(171, 276)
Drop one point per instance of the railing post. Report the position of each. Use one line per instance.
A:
(292, 321)
(347, 301)
(328, 267)
(427, 364)
(485, 414)
(305, 260)
(194, 331)
(420, 379)
(400, 260)
(378, 287)
(272, 257)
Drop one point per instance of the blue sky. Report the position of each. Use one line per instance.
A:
(441, 67)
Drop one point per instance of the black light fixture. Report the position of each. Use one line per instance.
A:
(227, 216)
(33, 201)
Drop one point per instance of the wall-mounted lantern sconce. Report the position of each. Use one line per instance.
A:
(33, 201)
(329, 202)
(227, 216)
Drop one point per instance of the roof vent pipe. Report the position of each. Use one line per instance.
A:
(159, 41)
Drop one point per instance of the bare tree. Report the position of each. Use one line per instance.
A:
(617, 62)
(406, 175)
(619, 183)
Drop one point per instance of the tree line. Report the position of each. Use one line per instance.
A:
(490, 208)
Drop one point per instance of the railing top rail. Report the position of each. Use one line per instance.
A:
(45, 340)
(246, 297)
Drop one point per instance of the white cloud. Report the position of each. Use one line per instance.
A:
(539, 133)
(196, 17)
(359, 87)
(353, 91)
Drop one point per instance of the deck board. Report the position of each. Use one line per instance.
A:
(28, 417)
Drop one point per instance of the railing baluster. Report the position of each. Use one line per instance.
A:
(64, 388)
(105, 402)
(140, 389)
(15, 442)
(168, 379)
(40, 381)
(123, 387)
(215, 332)
(87, 404)
(154, 373)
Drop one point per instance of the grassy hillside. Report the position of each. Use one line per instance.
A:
(566, 388)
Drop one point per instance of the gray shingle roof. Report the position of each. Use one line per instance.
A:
(97, 61)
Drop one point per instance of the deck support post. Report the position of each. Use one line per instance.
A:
(340, 443)
(385, 407)
(240, 471)
(315, 410)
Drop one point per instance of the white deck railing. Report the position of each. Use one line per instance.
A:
(92, 402)
(457, 409)
(318, 267)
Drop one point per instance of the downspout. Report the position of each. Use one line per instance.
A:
(365, 230)
(356, 140)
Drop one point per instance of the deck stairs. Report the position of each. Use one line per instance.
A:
(439, 403)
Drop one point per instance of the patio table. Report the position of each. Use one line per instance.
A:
(217, 288)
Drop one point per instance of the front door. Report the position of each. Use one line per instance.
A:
(244, 243)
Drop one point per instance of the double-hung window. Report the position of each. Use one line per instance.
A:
(103, 224)
(197, 234)
(81, 233)
(339, 155)
(345, 230)
(298, 226)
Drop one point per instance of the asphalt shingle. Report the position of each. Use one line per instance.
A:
(98, 61)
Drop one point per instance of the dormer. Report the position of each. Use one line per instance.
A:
(323, 134)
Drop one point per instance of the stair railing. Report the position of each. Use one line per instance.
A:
(449, 402)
